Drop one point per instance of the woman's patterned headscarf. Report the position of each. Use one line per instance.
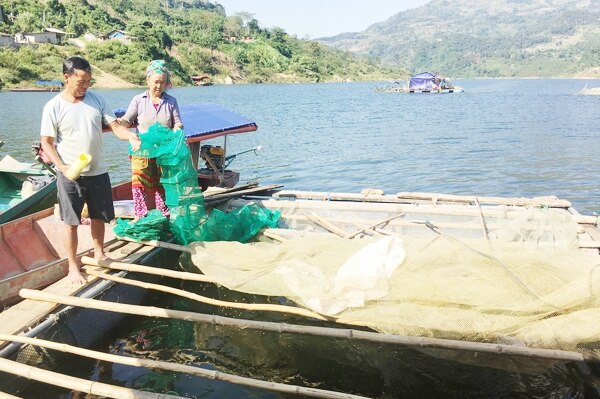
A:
(159, 67)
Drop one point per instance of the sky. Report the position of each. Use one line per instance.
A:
(319, 18)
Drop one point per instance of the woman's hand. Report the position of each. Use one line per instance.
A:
(135, 142)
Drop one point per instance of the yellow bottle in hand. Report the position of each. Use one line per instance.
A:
(76, 168)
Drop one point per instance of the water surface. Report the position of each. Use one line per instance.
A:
(516, 138)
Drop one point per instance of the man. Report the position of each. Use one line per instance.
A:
(73, 119)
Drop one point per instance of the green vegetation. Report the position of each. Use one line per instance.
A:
(195, 37)
(495, 38)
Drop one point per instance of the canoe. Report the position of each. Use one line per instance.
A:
(25, 188)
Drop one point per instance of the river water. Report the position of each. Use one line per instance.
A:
(500, 137)
(516, 138)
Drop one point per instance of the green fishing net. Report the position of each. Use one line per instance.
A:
(154, 226)
(188, 220)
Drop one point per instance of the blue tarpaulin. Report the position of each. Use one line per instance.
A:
(422, 81)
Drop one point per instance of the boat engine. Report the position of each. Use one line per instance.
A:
(214, 157)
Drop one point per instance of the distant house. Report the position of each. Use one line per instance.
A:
(50, 35)
(6, 39)
(117, 34)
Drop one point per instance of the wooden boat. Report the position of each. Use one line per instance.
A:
(589, 91)
(203, 80)
(41, 86)
(209, 121)
(25, 188)
(33, 255)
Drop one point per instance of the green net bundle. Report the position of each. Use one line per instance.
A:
(188, 220)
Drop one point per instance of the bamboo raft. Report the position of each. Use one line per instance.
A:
(422, 212)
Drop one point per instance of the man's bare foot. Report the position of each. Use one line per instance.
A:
(75, 276)
(103, 256)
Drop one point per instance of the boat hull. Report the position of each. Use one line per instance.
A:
(41, 199)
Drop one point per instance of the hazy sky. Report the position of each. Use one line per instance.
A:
(319, 18)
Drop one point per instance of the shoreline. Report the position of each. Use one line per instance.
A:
(112, 82)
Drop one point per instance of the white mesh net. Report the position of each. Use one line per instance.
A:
(525, 284)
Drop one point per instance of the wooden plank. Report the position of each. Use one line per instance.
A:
(212, 191)
(238, 193)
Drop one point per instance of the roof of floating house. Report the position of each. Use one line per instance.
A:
(424, 81)
(207, 121)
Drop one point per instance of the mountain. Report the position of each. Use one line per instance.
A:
(492, 38)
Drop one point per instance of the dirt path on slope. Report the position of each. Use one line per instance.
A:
(105, 80)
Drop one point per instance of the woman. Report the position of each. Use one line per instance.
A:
(154, 105)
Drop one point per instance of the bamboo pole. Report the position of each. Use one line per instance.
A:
(132, 267)
(77, 384)
(180, 368)
(421, 342)
(326, 224)
(385, 232)
(266, 307)
(160, 244)
(483, 226)
(374, 226)
(589, 244)
(4, 395)
(370, 232)
(356, 206)
(398, 223)
(403, 197)
(549, 201)
(273, 236)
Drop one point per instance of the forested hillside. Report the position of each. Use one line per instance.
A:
(196, 37)
(492, 38)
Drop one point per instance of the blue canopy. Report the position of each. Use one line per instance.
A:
(206, 121)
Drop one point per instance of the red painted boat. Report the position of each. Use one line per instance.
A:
(32, 253)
